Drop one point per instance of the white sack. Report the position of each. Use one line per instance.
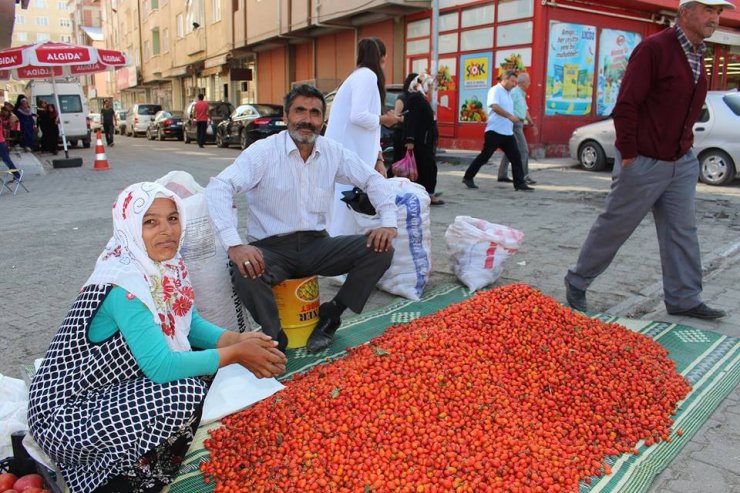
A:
(13, 411)
(412, 261)
(477, 250)
(205, 257)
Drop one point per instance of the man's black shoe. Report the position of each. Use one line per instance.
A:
(282, 341)
(506, 180)
(701, 311)
(530, 181)
(524, 188)
(469, 183)
(576, 297)
(323, 334)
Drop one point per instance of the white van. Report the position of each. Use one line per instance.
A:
(72, 109)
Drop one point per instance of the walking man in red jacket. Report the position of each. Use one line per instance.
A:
(660, 99)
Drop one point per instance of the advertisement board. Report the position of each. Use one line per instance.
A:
(475, 80)
(615, 48)
(570, 69)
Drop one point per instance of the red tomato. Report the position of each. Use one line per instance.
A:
(33, 489)
(29, 481)
(10, 491)
(7, 480)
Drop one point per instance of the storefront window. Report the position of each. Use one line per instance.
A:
(477, 16)
(417, 47)
(447, 22)
(514, 34)
(418, 29)
(509, 10)
(476, 39)
(443, 4)
(448, 43)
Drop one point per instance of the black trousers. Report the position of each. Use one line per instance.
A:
(108, 131)
(308, 253)
(201, 132)
(507, 143)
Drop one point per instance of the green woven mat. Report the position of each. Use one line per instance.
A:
(710, 362)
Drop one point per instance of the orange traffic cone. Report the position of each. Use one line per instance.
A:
(101, 161)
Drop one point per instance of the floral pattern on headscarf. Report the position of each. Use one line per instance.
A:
(164, 287)
(422, 83)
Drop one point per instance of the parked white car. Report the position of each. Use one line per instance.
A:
(716, 140)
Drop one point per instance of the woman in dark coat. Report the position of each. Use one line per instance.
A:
(47, 122)
(420, 134)
(25, 117)
(399, 149)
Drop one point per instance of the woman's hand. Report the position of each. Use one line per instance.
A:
(256, 352)
(410, 146)
(389, 119)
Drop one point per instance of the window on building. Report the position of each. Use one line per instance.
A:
(42, 21)
(216, 10)
(514, 34)
(417, 29)
(180, 26)
(509, 10)
(20, 19)
(448, 43)
(155, 41)
(62, 6)
(477, 16)
(39, 4)
(147, 50)
(165, 39)
(417, 47)
(65, 22)
(42, 37)
(447, 22)
(65, 38)
(21, 36)
(476, 39)
(154, 4)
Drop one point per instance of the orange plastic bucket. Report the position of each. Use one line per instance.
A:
(298, 305)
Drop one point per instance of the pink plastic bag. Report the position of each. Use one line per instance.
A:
(406, 167)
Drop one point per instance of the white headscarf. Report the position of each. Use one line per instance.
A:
(164, 287)
(422, 83)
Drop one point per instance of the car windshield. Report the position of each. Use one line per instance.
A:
(149, 109)
(220, 110)
(176, 114)
(266, 110)
(164, 114)
(733, 102)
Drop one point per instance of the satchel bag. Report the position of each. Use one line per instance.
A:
(406, 167)
(358, 201)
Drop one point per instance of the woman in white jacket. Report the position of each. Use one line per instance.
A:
(355, 122)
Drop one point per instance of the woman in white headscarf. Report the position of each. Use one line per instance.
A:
(120, 391)
(355, 120)
(419, 132)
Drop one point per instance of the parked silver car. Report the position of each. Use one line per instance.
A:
(716, 140)
(139, 116)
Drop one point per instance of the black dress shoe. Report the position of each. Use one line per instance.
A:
(469, 183)
(701, 311)
(282, 341)
(506, 180)
(323, 334)
(576, 297)
(530, 181)
(524, 188)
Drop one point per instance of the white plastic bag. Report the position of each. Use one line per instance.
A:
(235, 388)
(477, 250)
(13, 411)
(205, 257)
(412, 261)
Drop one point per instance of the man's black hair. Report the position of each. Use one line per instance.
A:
(304, 90)
(201, 96)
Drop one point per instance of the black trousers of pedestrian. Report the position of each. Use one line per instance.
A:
(492, 141)
(202, 132)
(426, 166)
(108, 131)
(308, 253)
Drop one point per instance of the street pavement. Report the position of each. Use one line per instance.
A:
(52, 236)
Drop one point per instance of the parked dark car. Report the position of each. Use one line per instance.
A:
(249, 123)
(217, 112)
(165, 125)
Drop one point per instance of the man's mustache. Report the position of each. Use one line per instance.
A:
(301, 126)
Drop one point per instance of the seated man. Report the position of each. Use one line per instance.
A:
(288, 181)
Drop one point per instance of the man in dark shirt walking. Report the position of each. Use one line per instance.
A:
(655, 169)
(200, 113)
(108, 115)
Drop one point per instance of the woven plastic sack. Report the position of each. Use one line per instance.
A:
(406, 167)
(477, 250)
(205, 257)
(412, 261)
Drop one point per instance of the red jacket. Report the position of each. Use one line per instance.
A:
(658, 101)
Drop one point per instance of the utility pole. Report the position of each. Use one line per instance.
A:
(435, 53)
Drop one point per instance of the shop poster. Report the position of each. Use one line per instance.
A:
(475, 81)
(615, 48)
(447, 90)
(570, 69)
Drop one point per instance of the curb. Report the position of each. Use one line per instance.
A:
(650, 295)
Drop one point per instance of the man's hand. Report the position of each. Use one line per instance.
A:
(514, 118)
(628, 162)
(248, 260)
(380, 239)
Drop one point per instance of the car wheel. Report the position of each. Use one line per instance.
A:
(72, 143)
(86, 144)
(244, 140)
(716, 167)
(160, 135)
(149, 134)
(219, 140)
(185, 136)
(591, 156)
